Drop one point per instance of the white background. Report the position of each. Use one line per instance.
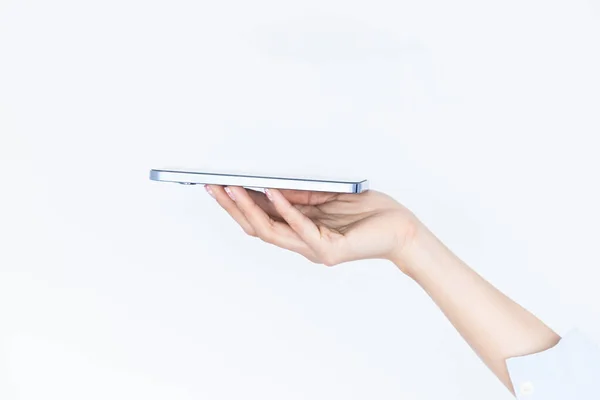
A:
(482, 117)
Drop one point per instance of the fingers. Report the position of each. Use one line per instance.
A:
(229, 205)
(261, 200)
(307, 197)
(264, 227)
(300, 223)
(327, 245)
(252, 211)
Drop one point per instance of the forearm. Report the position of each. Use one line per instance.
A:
(495, 327)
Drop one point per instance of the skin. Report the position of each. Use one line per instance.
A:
(332, 228)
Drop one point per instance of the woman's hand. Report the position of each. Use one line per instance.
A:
(326, 228)
(332, 228)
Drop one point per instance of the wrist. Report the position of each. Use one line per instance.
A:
(407, 241)
(418, 251)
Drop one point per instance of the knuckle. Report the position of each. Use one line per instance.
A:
(249, 231)
(266, 236)
(329, 260)
(311, 256)
(312, 260)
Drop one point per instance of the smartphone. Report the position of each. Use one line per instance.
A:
(261, 182)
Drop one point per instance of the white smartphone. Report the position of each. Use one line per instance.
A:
(252, 181)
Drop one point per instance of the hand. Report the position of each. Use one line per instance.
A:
(326, 228)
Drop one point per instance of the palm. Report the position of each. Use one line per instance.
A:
(340, 213)
(350, 226)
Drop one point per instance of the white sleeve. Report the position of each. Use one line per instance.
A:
(570, 370)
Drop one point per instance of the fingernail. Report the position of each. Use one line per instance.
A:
(230, 193)
(209, 190)
(269, 194)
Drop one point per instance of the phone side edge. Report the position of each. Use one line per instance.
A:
(362, 186)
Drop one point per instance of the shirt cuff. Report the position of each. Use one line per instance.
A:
(569, 370)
